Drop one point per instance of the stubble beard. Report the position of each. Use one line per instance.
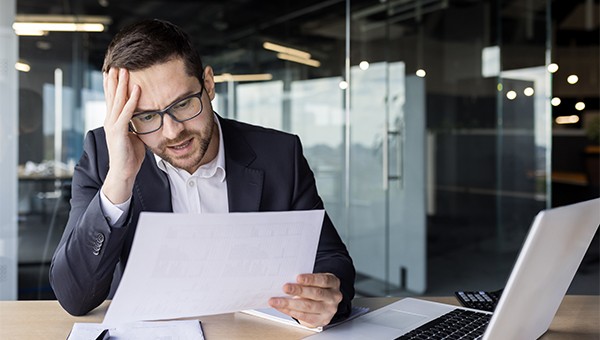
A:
(188, 162)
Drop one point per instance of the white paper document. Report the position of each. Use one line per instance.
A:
(184, 265)
(159, 330)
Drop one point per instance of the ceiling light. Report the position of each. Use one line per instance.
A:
(421, 73)
(364, 65)
(552, 68)
(528, 91)
(22, 66)
(41, 24)
(567, 119)
(30, 32)
(579, 106)
(343, 84)
(572, 79)
(555, 101)
(287, 50)
(291, 54)
(309, 62)
(56, 27)
(43, 45)
(243, 77)
(511, 95)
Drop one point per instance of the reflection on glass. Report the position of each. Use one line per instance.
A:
(260, 103)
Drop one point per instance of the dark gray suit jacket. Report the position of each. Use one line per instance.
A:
(266, 171)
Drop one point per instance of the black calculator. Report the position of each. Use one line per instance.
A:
(479, 300)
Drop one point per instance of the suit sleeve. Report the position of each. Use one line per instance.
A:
(332, 255)
(84, 262)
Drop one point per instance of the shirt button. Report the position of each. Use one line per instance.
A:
(191, 183)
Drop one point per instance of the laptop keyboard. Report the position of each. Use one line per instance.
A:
(457, 324)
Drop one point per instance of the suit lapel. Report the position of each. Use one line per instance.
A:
(244, 184)
(244, 188)
(152, 187)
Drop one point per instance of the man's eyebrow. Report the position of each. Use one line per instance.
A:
(180, 97)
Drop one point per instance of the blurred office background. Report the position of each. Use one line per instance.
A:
(436, 129)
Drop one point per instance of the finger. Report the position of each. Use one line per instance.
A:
(105, 82)
(308, 292)
(111, 82)
(130, 106)
(324, 280)
(299, 305)
(309, 314)
(121, 92)
(331, 296)
(109, 93)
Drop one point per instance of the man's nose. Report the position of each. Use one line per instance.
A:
(171, 128)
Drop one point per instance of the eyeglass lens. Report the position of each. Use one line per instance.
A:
(183, 110)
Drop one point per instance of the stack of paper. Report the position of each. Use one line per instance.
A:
(275, 315)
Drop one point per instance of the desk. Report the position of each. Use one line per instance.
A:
(577, 318)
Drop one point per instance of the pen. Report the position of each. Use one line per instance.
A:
(104, 335)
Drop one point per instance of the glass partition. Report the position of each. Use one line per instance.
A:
(8, 154)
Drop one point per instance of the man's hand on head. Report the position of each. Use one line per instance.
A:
(313, 300)
(126, 150)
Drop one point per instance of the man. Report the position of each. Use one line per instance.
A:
(162, 148)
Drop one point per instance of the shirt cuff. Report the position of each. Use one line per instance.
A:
(114, 213)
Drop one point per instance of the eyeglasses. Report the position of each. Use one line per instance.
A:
(150, 121)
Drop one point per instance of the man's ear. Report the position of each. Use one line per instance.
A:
(209, 82)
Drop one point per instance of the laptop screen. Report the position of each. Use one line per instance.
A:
(554, 248)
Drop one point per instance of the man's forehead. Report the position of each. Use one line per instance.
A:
(158, 93)
(165, 73)
(162, 71)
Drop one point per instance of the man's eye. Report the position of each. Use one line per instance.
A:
(144, 118)
(182, 104)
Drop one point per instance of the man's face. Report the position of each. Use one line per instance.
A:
(185, 145)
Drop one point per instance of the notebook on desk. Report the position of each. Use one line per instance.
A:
(555, 245)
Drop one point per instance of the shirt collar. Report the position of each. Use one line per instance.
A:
(216, 167)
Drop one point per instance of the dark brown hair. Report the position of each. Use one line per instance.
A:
(151, 42)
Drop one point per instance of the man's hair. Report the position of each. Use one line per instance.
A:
(151, 42)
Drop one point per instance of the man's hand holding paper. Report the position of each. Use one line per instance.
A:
(313, 300)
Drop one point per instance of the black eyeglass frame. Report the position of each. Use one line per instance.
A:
(162, 113)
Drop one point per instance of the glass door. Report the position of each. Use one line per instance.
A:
(387, 178)
(363, 133)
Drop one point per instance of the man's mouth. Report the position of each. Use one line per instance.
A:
(181, 146)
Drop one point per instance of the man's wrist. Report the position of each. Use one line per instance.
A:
(117, 191)
(114, 213)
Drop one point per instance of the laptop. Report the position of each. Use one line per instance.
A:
(555, 245)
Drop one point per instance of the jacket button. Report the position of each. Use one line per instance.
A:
(98, 244)
(100, 238)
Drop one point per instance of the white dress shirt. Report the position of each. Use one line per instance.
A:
(204, 191)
